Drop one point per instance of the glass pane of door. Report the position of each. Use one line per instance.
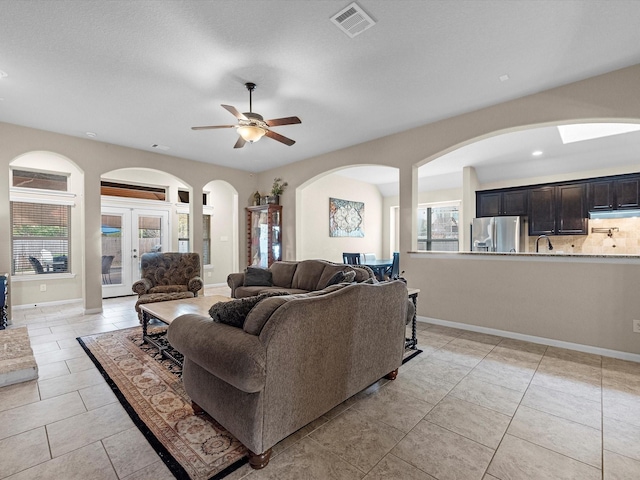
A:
(111, 249)
(151, 236)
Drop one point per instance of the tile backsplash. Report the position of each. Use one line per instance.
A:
(626, 241)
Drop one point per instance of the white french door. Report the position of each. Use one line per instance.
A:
(127, 234)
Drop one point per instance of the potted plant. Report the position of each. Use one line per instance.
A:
(277, 189)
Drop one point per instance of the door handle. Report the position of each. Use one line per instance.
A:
(135, 256)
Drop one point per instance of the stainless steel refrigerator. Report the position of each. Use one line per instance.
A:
(498, 234)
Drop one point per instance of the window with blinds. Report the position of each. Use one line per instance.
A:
(183, 236)
(40, 238)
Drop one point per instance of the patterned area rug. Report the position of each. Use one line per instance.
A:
(150, 389)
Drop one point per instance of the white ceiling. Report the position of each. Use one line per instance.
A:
(143, 72)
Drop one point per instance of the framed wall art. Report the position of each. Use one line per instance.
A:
(346, 218)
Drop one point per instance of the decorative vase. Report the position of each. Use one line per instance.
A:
(273, 199)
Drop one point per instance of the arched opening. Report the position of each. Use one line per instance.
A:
(140, 213)
(47, 228)
(530, 156)
(223, 241)
(367, 190)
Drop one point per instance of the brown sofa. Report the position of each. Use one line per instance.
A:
(297, 277)
(296, 358)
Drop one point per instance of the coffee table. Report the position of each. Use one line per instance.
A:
(168, 311)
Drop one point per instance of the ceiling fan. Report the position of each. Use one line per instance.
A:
(252, 126)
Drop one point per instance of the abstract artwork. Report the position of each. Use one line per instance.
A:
(346, 218)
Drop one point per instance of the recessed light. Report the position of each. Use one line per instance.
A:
(3, 74)
(504, 78)
(91, 134)
(537, 153)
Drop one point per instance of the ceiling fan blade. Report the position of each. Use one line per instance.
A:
(234, 111)
(209, 127)
(240, 143)
(282, 121)
(280, 138)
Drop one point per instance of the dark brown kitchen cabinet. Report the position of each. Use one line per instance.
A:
(627, 193)
(618, 193)
(571, 209)
(558, 210)
(542, 211)
(501, 203)
(488, 204)
(600, 195)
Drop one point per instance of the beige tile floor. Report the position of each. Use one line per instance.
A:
(472, 406)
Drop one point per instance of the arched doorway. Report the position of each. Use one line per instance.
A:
(136, 218)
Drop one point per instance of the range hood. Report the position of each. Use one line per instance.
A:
(631, 213)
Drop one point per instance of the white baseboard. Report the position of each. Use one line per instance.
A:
(46, 304)
(633, 357)
(91, 311)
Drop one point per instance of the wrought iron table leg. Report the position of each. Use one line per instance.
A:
(145, 322)
(412, 343)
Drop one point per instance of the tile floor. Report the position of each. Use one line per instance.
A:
(472, 406)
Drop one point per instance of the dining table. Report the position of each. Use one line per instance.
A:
(380, 266)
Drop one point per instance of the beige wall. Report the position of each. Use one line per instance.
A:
(588, 302)
(94, 159)
(314, 221)
(611, 97)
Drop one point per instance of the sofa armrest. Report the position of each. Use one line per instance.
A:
(142, 286)
(227, 352)
(195, 285)
(235, 280)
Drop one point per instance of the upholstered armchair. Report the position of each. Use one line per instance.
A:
(168, 273)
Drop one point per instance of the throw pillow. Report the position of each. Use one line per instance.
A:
(337, 278)
(257, 277)
(234, 312)
(349, 277)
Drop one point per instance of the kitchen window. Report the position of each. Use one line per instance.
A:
(438, 228)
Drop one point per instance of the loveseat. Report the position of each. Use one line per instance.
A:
(294, 277)
(295, 358)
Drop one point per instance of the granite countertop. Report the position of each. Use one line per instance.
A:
(533, 254)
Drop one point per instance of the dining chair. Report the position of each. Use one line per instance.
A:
(107, 260)
(351, 258)
(368, 257)
(35, 263)
(394, 272)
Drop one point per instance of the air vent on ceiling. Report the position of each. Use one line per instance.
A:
(160, 147)
(352, 20)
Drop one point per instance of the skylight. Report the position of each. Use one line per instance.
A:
(589, 131)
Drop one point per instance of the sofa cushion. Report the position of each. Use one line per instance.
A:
(260, 314)
(308, 274)
(255, 276)
(168, 289)
(234, 312)
(283, 273)
(243, 292)
(337, 278)
(328, 272)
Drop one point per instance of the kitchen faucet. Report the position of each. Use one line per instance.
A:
(548, 241)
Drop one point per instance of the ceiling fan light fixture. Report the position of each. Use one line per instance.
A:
(251, 133)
